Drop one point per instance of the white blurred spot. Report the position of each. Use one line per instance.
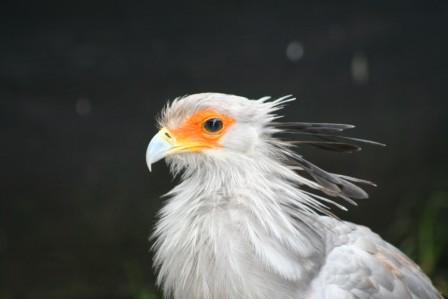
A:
(83, 106)
(294, 51)
(360, 68)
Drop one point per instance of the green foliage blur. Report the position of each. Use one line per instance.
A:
(428, 241)
(137, 283)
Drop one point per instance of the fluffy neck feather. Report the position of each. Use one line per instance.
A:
(236, 227)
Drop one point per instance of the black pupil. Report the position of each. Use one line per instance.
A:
(213, 125)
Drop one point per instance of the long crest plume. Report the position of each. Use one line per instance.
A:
(326, 136)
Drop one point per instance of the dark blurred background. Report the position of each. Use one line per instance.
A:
(81, 84)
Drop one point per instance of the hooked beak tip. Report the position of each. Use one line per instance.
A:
(157, 149)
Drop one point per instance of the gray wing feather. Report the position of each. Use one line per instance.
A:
(363, 266)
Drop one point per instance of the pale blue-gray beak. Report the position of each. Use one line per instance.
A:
(159, 147)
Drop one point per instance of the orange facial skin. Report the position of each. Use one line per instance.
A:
(192, 135)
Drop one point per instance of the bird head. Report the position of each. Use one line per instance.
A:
(211, 125)
(206, 129)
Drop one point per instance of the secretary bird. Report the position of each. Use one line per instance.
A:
(250, 218)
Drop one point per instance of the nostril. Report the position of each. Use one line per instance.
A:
(167, 135)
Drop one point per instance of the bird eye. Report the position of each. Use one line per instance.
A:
(213, 125)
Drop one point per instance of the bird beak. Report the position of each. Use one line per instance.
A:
(159, 147)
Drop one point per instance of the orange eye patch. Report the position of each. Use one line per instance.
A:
(203, 129)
